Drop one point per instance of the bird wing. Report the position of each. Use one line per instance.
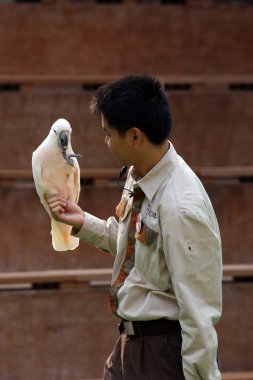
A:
(76, 181)
(37, 171)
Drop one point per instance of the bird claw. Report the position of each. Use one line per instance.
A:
(68, 157)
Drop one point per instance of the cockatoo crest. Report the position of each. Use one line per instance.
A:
(61, 125)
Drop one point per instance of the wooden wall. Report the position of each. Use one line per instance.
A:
(59, 334)
(209, 129)
(26, 241)
(53, 55)
(74, 38)
(68, 333)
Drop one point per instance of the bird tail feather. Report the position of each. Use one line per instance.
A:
(61, 237)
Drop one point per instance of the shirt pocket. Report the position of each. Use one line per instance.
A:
(147, 236)
(146, 253)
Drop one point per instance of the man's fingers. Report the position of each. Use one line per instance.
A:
(55, 198)
(58, 210)
(57, 203)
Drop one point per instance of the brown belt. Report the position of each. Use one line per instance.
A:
(156, 327)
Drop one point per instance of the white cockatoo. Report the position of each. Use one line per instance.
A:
(56, 171)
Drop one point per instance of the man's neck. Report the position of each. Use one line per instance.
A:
(150, 157)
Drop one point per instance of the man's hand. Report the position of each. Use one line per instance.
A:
(66, 211)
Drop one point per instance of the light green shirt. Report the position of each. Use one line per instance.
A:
(178, 268)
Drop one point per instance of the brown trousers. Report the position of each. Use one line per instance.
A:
(149, 357)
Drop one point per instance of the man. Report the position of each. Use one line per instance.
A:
(166, 283)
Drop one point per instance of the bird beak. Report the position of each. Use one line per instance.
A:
(63, 140)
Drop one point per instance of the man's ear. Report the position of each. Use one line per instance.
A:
(135, 135)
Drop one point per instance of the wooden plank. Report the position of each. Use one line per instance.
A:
(101, 39)
(88, 173)
(95, 275)
(212, 129)
(99, 79)
(57, 276)
(235, 331)
(237, 376)
(112, 173)
(233, 204)
(223, 171)
(238, 270)
(26, 241)
(29, 116)
(209, 130)
(58, 331)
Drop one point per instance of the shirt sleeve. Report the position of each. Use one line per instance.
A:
(99, 233)
(193, 254)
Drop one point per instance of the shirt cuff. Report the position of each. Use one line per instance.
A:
(93, 232)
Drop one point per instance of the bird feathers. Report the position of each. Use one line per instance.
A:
(54, 175)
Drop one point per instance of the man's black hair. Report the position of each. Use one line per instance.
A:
(135, 101)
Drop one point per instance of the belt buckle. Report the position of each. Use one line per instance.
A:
(129, 328)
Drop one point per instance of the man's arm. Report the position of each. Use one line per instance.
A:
(193, 254)
(100, 233)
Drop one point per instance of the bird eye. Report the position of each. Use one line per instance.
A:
(54, 131)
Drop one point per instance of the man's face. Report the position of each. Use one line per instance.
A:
(117, 144)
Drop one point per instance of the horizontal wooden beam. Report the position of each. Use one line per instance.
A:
(224, 171)
(237, 376)
(98, 79)
(26, 174)
(96, 274)
(56, 276)
(86, 31)
(207, 172)
(238, 270)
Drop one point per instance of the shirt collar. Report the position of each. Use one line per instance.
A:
(151, 182)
